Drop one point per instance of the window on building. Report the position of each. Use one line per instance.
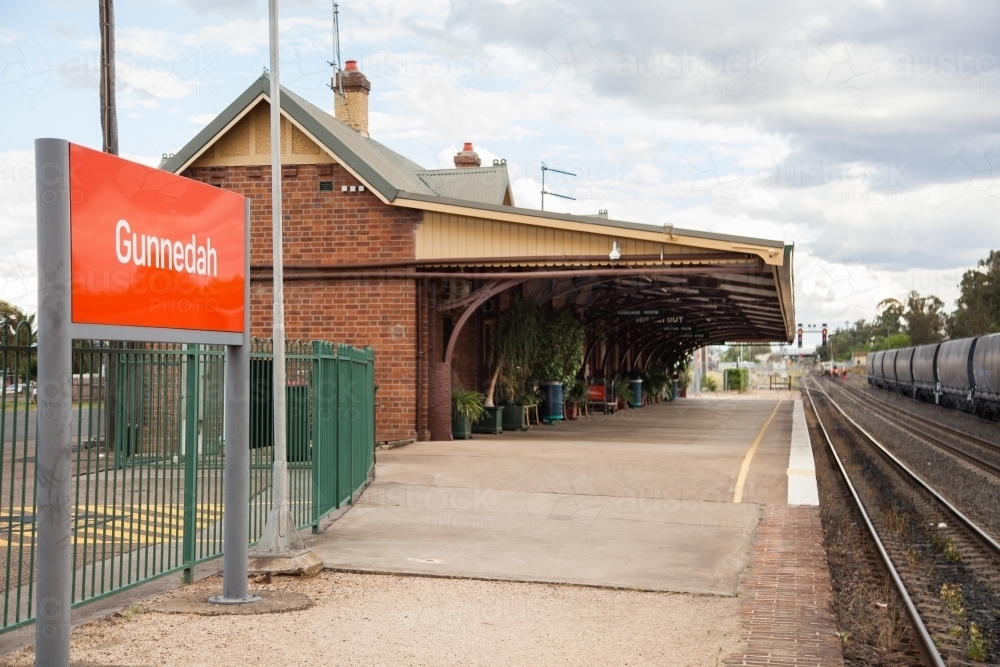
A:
(326, 186)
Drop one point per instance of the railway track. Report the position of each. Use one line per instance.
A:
(943, 428)
(891, 413)
(928, 546)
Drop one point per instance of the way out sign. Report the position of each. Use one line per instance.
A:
(128, 252)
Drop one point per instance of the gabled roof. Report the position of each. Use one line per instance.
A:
(484, 185)
(385, 170)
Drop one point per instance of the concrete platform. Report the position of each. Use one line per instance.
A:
(641, 499)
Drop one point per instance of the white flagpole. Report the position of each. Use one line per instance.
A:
(280, 549)
(280, 482)
(279, 537)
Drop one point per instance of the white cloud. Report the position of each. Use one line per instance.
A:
(19, 280)
(17, 219)
(871, 167)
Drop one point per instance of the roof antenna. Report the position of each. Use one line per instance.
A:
(337, 79)
(545, 192)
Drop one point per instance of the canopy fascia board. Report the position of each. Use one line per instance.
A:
(771, 252)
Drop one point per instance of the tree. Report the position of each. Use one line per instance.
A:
(978, 308)
(17, 328)
(857, 337)
(10, 318)
(889, 318)
(925, 319)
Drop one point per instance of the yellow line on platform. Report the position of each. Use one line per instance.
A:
(745, 468)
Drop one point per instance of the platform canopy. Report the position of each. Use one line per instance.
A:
(669, 290)
(666, 292)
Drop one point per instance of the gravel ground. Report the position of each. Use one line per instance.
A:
(394, 620)
(963, 421)
(872, 623)
(974, 491)
(918, 539)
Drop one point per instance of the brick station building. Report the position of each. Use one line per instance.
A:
(416, 263)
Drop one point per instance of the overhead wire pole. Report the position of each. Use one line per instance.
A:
(109, 141)
(109, 114)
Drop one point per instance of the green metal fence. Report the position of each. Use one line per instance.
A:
(147, 467)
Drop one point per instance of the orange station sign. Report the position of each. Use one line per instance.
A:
(152, 249)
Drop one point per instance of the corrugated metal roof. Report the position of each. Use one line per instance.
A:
(381, 167)
(399, 171)
(485, 185)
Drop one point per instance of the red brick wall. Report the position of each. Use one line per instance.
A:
(332, 227)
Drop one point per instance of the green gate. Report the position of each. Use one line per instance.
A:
(148, 455)
(343, 405)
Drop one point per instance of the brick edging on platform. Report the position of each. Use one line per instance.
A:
(786, 598)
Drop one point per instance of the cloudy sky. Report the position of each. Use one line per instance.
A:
(863, 132)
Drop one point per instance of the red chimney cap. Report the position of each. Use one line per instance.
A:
(468, 146)
(351, 66)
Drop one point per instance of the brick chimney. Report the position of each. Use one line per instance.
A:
(467, 158)
(352, 107)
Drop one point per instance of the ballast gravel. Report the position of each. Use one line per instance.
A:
(973, 425)
(365, 619)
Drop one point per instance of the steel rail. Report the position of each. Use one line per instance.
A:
(935, 424)
(969, 523)
(927, 642)
(914, 431)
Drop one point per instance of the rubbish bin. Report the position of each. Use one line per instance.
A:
(636, 386)
(552, 402)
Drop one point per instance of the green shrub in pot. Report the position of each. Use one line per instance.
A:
(512, 351)
(466, 407)
(560, 347)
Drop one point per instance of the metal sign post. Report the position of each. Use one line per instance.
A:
(53, 456)
(122, 250)
(236, 475)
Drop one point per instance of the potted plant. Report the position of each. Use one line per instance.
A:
(576, 396)
(622, 392)
(654, 386)
(684, 379)
(512, 355)
(466, 407)
(560, 356)
(491, 420)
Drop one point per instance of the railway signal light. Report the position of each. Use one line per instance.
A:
(800, 335)
(824, 335)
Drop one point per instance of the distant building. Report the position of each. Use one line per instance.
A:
(859, 359)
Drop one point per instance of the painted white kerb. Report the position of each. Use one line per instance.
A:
(801, 469)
